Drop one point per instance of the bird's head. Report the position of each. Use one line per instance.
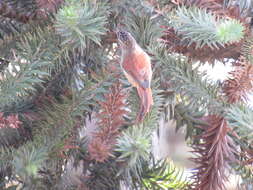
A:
(126, 40)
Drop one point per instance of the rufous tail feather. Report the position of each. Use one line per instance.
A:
(146, 101)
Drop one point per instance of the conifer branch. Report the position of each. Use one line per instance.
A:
(241, 119)
(247, 49)
(202, 28)
(78, 21)
(224, 18)
(218, 7)
(186, 80)
(145, 29)
(163, 175)
(103, 176)
(240, 83)
(134, 147)
(10, 12)
(205, 54)
(113, 108)
(5, 163)
(32, 161)
(214, 151)
(190, 116)
(14, 33)
(28, 11)
(12, 131)
(17, 83)
(49, 6)
(46, 140)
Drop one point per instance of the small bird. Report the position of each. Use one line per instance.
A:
(136, 66)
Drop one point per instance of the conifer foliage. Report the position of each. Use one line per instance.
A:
(67, 112)
(113, 108)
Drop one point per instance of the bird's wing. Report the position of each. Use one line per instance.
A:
(139, 68)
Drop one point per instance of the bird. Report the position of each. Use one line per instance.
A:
(136, 66)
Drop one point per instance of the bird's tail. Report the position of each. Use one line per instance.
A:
(146, 101)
